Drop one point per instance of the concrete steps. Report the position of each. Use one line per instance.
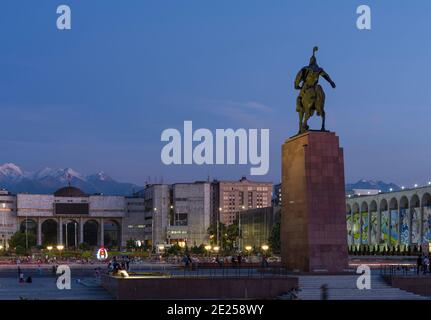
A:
(343, 287)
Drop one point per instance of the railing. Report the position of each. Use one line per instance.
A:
(399, 269)
(197, 271)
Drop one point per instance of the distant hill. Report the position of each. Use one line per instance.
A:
(48, 180)
(371, 184)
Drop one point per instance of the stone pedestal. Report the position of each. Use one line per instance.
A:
(313, 220)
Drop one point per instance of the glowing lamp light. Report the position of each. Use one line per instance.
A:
(208, 248)
(161, 247)
(248, 248)
(216, 248)
(402, 188)
(390, 189)
(416, 185)
(265, 247)
(60, 247)
(102, 254)
(49, 248)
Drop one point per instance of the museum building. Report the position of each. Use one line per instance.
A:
(69, 217)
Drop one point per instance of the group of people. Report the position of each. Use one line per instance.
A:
(119, 268)
(21, 277)
(423, 264)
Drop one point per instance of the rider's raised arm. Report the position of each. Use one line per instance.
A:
(327, 78)
(299, 78)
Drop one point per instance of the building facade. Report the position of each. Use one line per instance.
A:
(393, 218)
(8, 221)
(180, 213)
(191, 213)
(256, 226)
(232, 197)
(70, 217)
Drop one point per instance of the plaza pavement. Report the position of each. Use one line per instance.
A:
(45, 288)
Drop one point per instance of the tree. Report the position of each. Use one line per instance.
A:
(222, 234)
(131, 244)
(232, 235)
(175, 249)
(274, 238)
(19, 240)
(84, 246)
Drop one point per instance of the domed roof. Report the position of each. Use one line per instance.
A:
(69, 192)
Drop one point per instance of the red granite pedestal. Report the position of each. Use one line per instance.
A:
(313, 220)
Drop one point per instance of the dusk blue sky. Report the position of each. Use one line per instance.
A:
(97, 97)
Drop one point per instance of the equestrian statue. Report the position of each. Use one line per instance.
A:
(311, 95)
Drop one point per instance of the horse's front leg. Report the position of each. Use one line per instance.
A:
(323, 121)
(301, 118)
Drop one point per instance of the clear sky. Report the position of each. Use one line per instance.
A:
(97, 97)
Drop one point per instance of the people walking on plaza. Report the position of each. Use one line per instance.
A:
(232, 260)
(425, 264)
(239, 258)
(219, 262)
(264, 262)
(418, 264)
(324, 291)
(187, 260)
(127, 263)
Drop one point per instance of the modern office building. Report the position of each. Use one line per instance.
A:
(8, 222)
(181, 212)
(157, 207)
(276, 196)
(232, 197)
(256, 226)
(191, 213)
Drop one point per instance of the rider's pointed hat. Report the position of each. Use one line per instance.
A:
(313, 57)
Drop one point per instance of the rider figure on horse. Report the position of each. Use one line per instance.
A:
(311, 96)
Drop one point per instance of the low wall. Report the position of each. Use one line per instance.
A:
(415, 284)
(197, 288)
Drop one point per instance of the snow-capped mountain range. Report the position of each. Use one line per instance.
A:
(47, 180)
(372, 185)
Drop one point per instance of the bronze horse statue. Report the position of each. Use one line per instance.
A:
(311, 96)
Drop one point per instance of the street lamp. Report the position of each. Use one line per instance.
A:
(208, 249)
(248, 248)
(49, 248)
(216, 249)
(152, 228)
(265, 247)
(60, 247)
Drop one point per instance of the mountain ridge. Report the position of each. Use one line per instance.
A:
(48, 180)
